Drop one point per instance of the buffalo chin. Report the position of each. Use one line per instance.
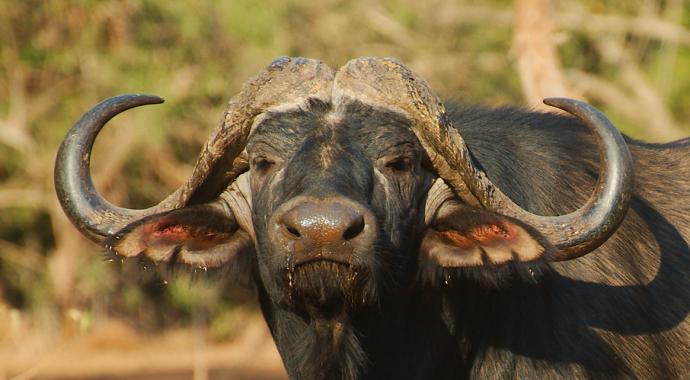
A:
(328, 288)
(327, 293)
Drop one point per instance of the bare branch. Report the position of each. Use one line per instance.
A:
(649, 27)
(629, 104)
(645, 26)
(382, 22)
(668, 55)
(650, 107)
(535, 50)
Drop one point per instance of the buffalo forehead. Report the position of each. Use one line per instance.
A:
(374, 128)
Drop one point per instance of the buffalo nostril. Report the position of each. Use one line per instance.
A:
(355, 228)
(293, 231)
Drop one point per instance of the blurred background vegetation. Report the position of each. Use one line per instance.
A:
(631, 58)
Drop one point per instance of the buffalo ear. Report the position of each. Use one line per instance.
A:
(482, 245)
(204, 236)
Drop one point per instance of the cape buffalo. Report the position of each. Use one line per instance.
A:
(391, 238)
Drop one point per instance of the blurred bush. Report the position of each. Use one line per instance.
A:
(58, 58)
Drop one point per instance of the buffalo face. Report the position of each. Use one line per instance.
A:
(336, 194)
(326, 183)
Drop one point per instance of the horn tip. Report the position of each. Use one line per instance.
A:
(555, 101)
(560, 102)
(150, 99)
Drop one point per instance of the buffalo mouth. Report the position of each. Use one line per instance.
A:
(322, 258)
(327, 284)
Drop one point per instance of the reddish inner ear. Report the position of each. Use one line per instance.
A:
(484, 234)
(169, 233)
(196, 237)
(479, 242)
(458, 239)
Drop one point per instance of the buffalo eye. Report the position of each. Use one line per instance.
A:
(262, 165)
(402, 164)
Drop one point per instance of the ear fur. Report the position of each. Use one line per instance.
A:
(204, 236)
(467, 242)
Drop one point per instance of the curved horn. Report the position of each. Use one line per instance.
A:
(387, 82)
(75, 189)
(285, 80)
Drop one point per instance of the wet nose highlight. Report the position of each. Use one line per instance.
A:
(323, 221)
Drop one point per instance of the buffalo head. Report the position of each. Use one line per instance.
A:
(340, 187)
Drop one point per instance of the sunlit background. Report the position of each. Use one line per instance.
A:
(66, 313)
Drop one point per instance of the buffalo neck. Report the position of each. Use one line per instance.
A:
(397, 338)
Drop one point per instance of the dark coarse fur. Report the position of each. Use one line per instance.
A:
(621, 311)
(618, 312)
